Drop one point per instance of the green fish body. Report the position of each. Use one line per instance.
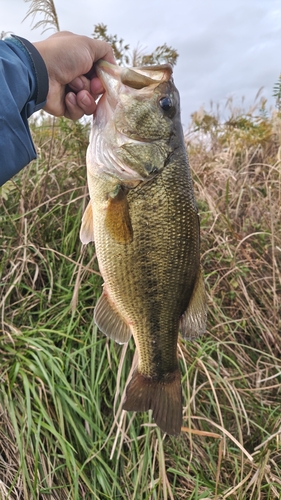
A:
(144, 220)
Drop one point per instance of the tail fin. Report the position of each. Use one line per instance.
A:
(163, 397)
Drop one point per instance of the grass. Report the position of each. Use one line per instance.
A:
(63, 432)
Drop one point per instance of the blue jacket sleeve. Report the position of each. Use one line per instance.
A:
(23, 90)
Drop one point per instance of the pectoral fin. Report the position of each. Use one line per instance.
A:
(87, 226)
(117, 219)
(110, 322)
(193, 321)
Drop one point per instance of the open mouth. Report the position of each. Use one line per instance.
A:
(117, 80)
(134, 78)
(128, 80)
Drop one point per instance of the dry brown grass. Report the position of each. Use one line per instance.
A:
(61, 421)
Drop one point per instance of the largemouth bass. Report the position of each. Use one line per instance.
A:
(143, 218)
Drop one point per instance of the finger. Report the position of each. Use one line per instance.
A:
(80, 83)
(72, 110)
(101, 50)
(86, 102)
(78, 105)
(96, 87)
(93, 85)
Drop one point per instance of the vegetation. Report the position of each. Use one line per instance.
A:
(63, 433)
(161, 55)
(48, 10)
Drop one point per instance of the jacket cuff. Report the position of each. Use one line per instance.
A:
(40, 71)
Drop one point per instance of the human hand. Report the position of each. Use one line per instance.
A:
(68, 58)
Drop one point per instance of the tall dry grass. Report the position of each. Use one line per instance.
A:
(63, 433)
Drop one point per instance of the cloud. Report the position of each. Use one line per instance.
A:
(226, 48)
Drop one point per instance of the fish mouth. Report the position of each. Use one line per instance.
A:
(116, 79)
(134, 78)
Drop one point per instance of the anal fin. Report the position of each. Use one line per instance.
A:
(193, 321)
(110, 322)
(163, 397)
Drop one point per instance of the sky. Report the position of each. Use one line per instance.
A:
(227, 48)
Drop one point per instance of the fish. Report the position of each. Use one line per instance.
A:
(143, 219)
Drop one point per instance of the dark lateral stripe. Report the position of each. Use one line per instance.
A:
(40, 70)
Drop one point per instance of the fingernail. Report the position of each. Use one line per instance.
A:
(71, 97)
(86, 100)
(77, 84)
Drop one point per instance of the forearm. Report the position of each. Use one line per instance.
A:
(40, 76)
(24, 88)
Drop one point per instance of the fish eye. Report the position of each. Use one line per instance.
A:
(166, 103)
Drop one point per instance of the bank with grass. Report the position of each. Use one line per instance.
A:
(63, 433)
